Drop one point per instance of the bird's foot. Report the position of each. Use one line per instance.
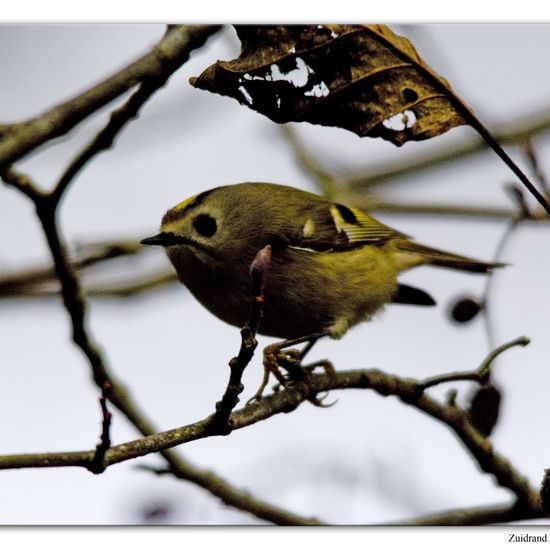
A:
(277, 359)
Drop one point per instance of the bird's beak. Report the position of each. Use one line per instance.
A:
(165, 239)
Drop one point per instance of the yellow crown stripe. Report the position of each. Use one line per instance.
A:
(185, 203)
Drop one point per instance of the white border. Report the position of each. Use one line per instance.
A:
(265, 537)
(284, 11)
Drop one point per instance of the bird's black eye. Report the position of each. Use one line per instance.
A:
(205, 225)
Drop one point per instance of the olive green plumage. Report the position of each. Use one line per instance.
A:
(332, 266)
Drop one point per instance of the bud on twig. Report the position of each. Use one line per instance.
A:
(465, 309)
(258, 270)
(484, 409)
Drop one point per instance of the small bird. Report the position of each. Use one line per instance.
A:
(331, 267)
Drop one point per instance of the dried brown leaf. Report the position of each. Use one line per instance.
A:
(364, 78)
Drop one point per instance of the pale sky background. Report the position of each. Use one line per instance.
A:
(368, 459)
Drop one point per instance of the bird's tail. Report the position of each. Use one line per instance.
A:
(433, 256)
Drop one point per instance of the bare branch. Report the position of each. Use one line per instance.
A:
(169, 54)
(409, 391)
(231, 496)
(484, 515)
(72, 294)
(249, 503)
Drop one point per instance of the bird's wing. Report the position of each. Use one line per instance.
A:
(332, 226)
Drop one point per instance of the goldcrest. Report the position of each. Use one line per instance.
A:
(332, 266)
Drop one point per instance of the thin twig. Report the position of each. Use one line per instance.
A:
(169, 54)
(481, 374)
(21, 182)
(486, 135)
(258, 271)
(97, 465)
(133, 288)
(480, 213)
(334, 187)
(522, 215)
(28, 281)
(157, 470)
(533, 160)
(489, 282)
(326, 182)
(122, 290)
(517, 131)
(105, 138)
(486, 364)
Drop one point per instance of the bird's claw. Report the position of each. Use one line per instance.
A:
(297, 376)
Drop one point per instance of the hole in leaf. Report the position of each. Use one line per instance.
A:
(409, 95)
(400, 121)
